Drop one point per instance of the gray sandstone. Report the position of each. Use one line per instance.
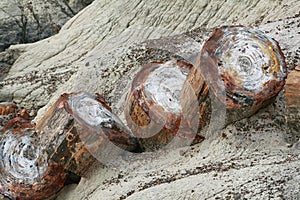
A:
(24, 21)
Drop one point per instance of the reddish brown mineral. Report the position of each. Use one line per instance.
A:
(292, 95)
(154, 108)
(8, 108)
(243, 68)
(25, 172)
(77, 126)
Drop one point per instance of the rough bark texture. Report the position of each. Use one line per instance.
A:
(101, 50)
(292, 95)
(72, 141)
(25, 171)
(45, 67)
(60, 140)
(238, 69)
(200, 107)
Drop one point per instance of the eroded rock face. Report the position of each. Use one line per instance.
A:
(30, 21)
(7, 59)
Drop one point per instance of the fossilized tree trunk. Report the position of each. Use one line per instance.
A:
(52, 62)
(243, 69)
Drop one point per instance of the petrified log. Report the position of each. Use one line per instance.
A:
(292, 95)
(77, 127)
(25, 171)
(154, 108)
(243, 68)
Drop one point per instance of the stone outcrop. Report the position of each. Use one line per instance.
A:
(102, 48)
(29, 21)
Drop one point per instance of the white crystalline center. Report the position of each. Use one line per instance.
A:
(164, 85)
(245, 58)
(90, 111)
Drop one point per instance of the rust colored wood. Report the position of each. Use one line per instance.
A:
(14, 119)
(8, 108)
(154, 109)
(196, 101)
(243, 68)
(292, 95)
(70, 122)
(61, 141)
(25, 171)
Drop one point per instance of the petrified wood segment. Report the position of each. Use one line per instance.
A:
(292, 95)
(11, 117)
(199, 107)
(25, 170)
(243, 68)
(60, 139)
(154, 108)
(7, 112)
(70, 123)
(8, 108)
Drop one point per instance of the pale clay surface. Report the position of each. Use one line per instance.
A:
(250, 160)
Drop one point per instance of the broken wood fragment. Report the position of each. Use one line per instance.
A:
(292, 95)
(243, 68)
(69, 125)
(25, 171)
(154, 109)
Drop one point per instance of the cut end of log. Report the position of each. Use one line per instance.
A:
(154, 105)
(96, 115)
(163, 87)
(242, 66)
(244, 71)
(25, 170)
(77, 127)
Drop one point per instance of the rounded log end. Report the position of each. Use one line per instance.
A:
(97, 121)
(154, 109)
(242, 66)
(25, 170)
